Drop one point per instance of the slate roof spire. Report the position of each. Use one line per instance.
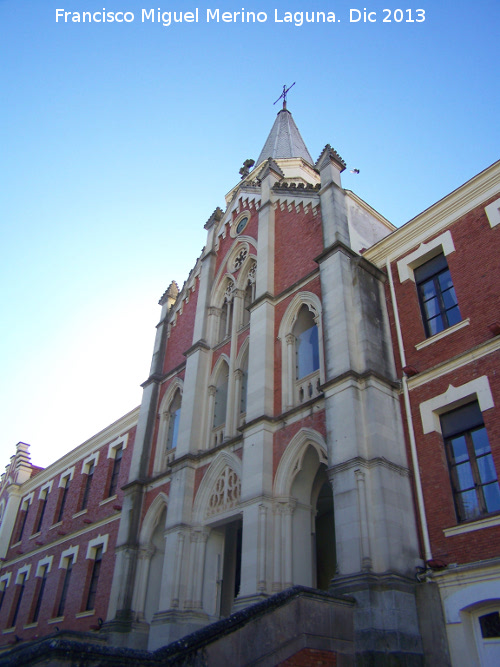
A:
(284, 140)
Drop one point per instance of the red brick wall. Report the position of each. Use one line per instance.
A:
(438, 497)
(298, 239)
(181, 335)
(53, 539)
(474, 271)
(250, 230)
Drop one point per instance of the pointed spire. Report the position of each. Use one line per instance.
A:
(284, 140)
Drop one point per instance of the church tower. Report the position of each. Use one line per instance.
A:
(269, 450)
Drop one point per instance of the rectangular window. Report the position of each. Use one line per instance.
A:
(62, 501)
(113, 484)
(42, 504)
(39, 596)
(65, 587)
(472, 470)
(21, 524)
(88, 484)
(438, 301)
(18, 597)
(96, 569)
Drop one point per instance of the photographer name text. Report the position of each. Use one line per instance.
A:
(170, 18)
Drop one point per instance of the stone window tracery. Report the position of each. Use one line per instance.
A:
(226, 492)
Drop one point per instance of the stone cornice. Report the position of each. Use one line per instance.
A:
(456, 362)
(97, 441)
(376, 461)
(199, 345)
(359, 378)
(437, 217)
(68, 538)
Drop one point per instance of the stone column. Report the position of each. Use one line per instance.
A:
(198, 574)
(290, 376)
(261, 549)
(141, 581)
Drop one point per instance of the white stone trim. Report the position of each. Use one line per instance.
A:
(437, 217)
(86, 462)
(5, 578)
(152, 517)
(45, 490)
(443, 334)
(468, 596)
(41, 563)
(100, 540)
(426, 251)
(116, 444)
(213, 473)
(26, 569)
(26, 501)
(71, 552)
(493, 213)
(452, 398)
(482, 350)
(470, 527)
(66, 477)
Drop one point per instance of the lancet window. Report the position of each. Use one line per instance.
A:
(226, 316)
(168, 434)
(301, 338)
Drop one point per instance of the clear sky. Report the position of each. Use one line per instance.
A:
(118, 140)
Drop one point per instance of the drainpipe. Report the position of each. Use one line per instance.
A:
(409, 421)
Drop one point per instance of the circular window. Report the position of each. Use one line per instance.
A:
(242, 224)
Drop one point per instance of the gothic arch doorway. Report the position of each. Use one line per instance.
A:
(152, 599)
(324, 531)
(229, 566)
(304, 516)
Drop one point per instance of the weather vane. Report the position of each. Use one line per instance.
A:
(283, 94)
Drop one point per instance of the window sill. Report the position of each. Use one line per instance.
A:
(56, 619)
(443, 334)
(8, 631)
(84, 614)
(107, 500)
(80, 513)
(29, 626)
(55, 525)
(475, 525)
(33, 535)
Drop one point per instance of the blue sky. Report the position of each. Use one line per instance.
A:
(117, 141)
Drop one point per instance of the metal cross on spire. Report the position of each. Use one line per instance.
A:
(283, 94)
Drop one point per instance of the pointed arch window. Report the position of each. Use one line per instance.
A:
(174, 416)
(220, 406)
(226, 316)
(302, 350)
(168, 435)
(305, 331)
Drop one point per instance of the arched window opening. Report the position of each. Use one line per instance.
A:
(220, 404)
(305, 331)
(174, 416)
(226, 316)
(243, 387)
(245, 317)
